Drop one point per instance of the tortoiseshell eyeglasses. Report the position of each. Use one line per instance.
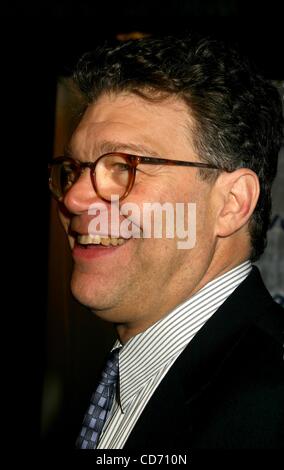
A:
(111, 174)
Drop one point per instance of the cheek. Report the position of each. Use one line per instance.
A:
(205, 229)
(147, 189)
(157, 206)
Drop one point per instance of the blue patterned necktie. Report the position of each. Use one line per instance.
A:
(100, 405)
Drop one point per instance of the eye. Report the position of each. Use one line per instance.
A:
(120, 167)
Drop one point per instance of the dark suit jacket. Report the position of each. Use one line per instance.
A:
(226, 390)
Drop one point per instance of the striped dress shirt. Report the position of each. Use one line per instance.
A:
(146, 358)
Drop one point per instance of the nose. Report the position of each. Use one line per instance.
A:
(81, 195)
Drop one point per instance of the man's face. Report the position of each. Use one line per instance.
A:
(138, 282)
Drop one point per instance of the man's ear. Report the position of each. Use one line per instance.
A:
(236, 196)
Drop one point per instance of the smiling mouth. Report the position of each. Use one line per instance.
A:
(89, 241)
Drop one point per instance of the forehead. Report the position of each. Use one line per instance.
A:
(163, 126)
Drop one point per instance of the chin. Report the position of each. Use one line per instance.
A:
(99, 302)
(86, 293)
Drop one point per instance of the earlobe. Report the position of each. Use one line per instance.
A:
(238, 196)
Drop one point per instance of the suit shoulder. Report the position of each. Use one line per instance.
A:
(259, 350)
(271, 323)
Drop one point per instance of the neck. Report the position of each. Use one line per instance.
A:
(161, 307)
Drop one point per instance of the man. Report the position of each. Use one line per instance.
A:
(179, 123)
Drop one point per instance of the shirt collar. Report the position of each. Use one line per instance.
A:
(146, 353)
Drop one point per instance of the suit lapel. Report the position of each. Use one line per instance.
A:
(167, 420)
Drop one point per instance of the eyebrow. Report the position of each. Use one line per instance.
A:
(108, 146)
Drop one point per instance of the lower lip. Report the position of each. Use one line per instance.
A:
(94, 252)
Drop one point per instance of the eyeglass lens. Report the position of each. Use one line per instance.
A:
(111, 176)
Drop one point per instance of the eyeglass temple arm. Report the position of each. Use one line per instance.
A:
(162, 161)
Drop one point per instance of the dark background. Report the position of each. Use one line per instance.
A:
(39, 43)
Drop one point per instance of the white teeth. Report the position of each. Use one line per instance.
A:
(105, 241)
(86, 239)
(97, 240)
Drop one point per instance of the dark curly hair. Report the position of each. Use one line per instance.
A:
(237, 113)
